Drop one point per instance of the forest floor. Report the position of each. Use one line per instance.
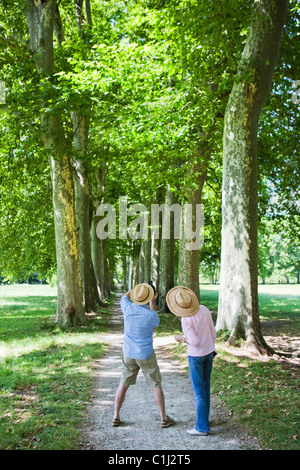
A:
(140, 428)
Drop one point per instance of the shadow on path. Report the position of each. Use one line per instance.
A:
(140, 429)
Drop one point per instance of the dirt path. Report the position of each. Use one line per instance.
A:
(141, 421)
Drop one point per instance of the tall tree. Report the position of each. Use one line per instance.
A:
(167, 247)
(41, 17)
(188, 274)
(80, 120)
(238, 301)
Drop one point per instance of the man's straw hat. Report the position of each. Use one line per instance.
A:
(141, 294)
(182, 301)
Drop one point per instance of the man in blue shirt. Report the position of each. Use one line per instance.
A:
(138, 352)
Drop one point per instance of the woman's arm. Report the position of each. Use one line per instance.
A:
(189, 332)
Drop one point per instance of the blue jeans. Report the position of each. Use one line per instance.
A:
(200, 368)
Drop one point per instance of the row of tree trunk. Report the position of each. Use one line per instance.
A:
(155, 259)
(238, 309)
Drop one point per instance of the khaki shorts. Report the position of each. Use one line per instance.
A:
(150, 369)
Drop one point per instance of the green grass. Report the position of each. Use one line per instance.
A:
(45, 372)
(264, 396)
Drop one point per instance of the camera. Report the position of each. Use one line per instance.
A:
(152, 285)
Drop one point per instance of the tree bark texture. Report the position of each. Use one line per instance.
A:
(188, 263)
(155, 242)
(238, 299)
(70, 308)
(99, 247)
(147, 259)
(97, 253)
(166, 257)
(82, 207)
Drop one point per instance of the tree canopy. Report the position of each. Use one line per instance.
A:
(131, 96)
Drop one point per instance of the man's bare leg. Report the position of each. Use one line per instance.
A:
(119, 400)
(166, 421)
(160, 401)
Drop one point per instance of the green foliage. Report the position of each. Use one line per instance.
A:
(154, 79)
(26, 216)
(279, 249)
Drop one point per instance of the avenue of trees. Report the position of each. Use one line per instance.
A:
(160, 102)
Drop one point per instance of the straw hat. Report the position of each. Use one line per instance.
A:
(182, 301)
(141, 293)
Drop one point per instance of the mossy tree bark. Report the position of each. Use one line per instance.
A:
(238, 300)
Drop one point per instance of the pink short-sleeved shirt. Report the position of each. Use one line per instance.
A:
(200, 332)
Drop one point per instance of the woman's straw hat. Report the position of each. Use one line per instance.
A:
(182, 301)
(141, 293)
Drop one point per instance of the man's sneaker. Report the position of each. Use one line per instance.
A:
(167, 422)
(194, 432)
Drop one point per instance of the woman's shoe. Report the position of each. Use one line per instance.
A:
(194, 432)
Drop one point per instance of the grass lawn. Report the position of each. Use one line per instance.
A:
(262, 395)
(45, 372)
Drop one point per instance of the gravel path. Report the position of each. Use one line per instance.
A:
(140, 429)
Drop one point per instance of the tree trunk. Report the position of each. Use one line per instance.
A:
(155, 242)
(97, 261)
(238, 299)
(40, 18)
(80, 120)
(70, 308)
(141, 263)
(106, 281)
(188, 262)
(155, 250)
(129, 273)
(82, 206)
(147, 260)
(166, 256)
(98, 246)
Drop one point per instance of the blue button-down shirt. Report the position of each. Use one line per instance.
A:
(139, 321)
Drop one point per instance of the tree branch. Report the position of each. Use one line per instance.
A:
(88, 12)
(58, 27)
(79, 13)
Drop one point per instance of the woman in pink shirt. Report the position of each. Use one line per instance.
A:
(199, 334)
